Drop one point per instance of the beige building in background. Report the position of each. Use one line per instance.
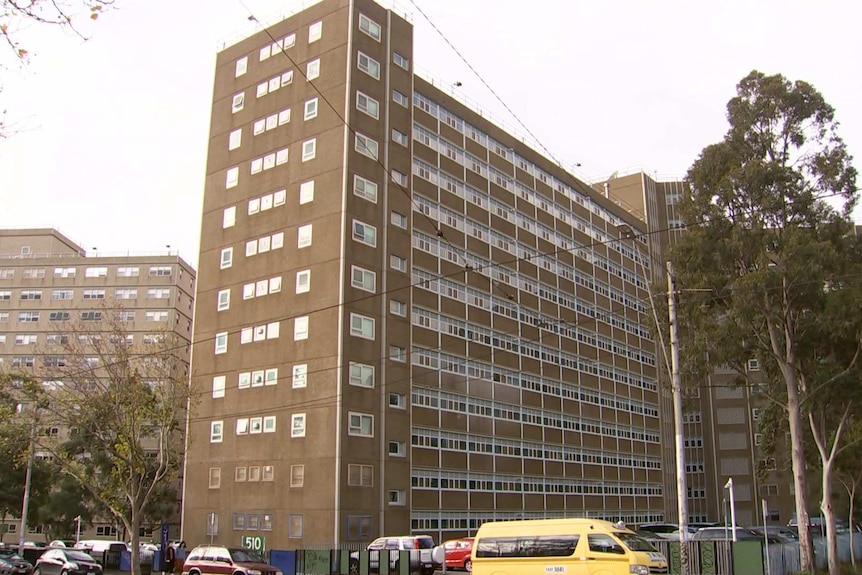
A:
(408, 320)
(48, 281)
(721, 436)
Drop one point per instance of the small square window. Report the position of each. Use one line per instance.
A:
(242, 426)
(265, 53)
(399, 220)
(244, 380)
(253, 475)
(303, 281)
(363, 279)
(397, 449)
(260, 287)
(362, 326)
(364, 188)
(251, 248)
(273, 329)
(400, 99)
(218, 386)
(400, 61)
(221, 343)
(397, 353)
(397, 497)
(368, 65)
(237, 103)
(287, 77)
(297, 425)
(253, 206)
(271, 376)
(216, 431)
(248, 291)
(360, 424)
(284, 117)
(398, 308)
(314, 32)
(278, 198)
(398, 400)
(281, 157)
(275, 284)
(361, 375)
(256, 165)
(223, 300)
(278, 240)
(262, 89)
(234, 140)
(240, 475)
(297, 475)
(306, 192)
(271, 122)
(365, 233)
(246, 335)
(274, 84)
(259, 127)
(268, 471)
(228, 217)
(397, 263)
(312, 70)
(309, 149)
(215, 477)
(255, 425)
(369, 26)
(269, 161)
(367, 104)
(366, 146)
(294, 526)
(231, 178)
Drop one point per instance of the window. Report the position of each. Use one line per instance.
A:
(32, 273)
(284, 117)
(753, 365)
(270, 376)
(369, 26)
(215, 477)
(294, 526)
(398, 308)
(360, 475)
(397, 353)
(309, 149)
(278, 240)
(23, 361)
(398, 220)
(9, 273)
(397, 497)
(273, 329)
(262, 89)
(314, 32)
(312, 70)
(306, 192)
(237, 103)
(240, 474)
(218, 386)
(366, 146)
(755, 413)
(37, 294)
(310, 109)
(365, 233)
(228, 217)
(26, 339)
(361, 326)
(365, 189)
(226, 258)
(4, 316)
(58, 273)
(297, 425)
(300, 328)
(256, 165)
(368, 65)
(397, 263)
(234, 140)
(128, 272)
(400, 99)
(231, 178)
(363, 279)
(239, 518)
(280, 159)
(397, 449)
(159, 293)
(223, 300)
(99, 272)
(7, 295)
(221, 343)
(303, 236)
(303, 281)
(242, 426)
(161, 315)
(216, 431)
(57, 316)
(33, 316)
(268, 473)
(255, 425)
(265, 53)
(399, 178)
(367, 104)
(241, 66)
(269, 424)
(399, 137)
(400, 60)
(360, 424)
(398, 400)
(297, 475)
(212, 524)
(361, 375)
(164, 271)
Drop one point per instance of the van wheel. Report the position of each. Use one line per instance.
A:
(353, 568)
(468, 566)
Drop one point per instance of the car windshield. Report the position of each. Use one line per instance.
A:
(425, 542)
(634, 542)
(245, 556)
(78, 556)
(9, 554)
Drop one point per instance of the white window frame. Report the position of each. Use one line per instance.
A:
(300, 328)
(218, 386)
(397, 263)
(358, 325)
(221, 343)
(400, 401)
(367, 26)
(306, 192)
(310, 109)
(228, 219)
(364, 239)
(401, 61)
(309, 149)
(398, 220)
(241, 66)
(365, 188)
(366, 273)
(216, 431)
(368, 64)
(358, 373)
(356, 430)
(362, 104)
(234, 139)
(304, 236)
(315, 31)
(299, 376)
(312, 70)
(366, 146)
(303, 281)
(237, 102)
(400, 137)
(231, 177)
(298, 425)
(397, 308)
(226, 258)
(223, 300)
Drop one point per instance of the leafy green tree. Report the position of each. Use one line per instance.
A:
(66, 501)
(124, 407)
(781, 265)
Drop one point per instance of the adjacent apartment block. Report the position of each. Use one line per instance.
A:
(48, 281)
(408, 320)
(721, 435)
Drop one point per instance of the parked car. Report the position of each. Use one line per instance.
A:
(62, 543)
(13, 564)
(724, 533)
(666, 530)
(221, 560)
(778, 531)
(419, 546)
(57, 561)
(458, 552)
(97, 547)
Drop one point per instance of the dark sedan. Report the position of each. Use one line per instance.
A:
(59, 561)
(13, 564)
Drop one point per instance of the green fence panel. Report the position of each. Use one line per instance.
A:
(708, 563)
(403, 563)
(747, 558)
(674, 563)
(343, 562)
(317, 562)
(363, 562)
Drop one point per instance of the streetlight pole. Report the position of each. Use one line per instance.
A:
(729, 487)
(679, 434)
(25, 505)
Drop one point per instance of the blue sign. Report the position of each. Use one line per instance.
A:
(163, 548)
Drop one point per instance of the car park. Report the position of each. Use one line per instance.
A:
(458, 553)
(13, 564)
(419, 547)
(221, 560)
(60, 561)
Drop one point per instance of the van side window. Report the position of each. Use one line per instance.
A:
(539, 546)
(601, 543)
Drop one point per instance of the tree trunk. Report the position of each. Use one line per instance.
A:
(2, 527)
(829, 518)
(852, 526)
(806, 551)
(135, 543)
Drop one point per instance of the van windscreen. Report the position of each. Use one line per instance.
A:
(539, 546)
(634, 542)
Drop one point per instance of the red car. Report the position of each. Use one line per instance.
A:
(458, 552)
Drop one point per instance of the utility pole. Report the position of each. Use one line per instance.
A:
(676, 389)
(25, 506)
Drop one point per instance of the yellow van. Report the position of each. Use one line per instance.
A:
(574, 546)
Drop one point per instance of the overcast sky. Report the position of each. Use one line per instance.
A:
(112, 132)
